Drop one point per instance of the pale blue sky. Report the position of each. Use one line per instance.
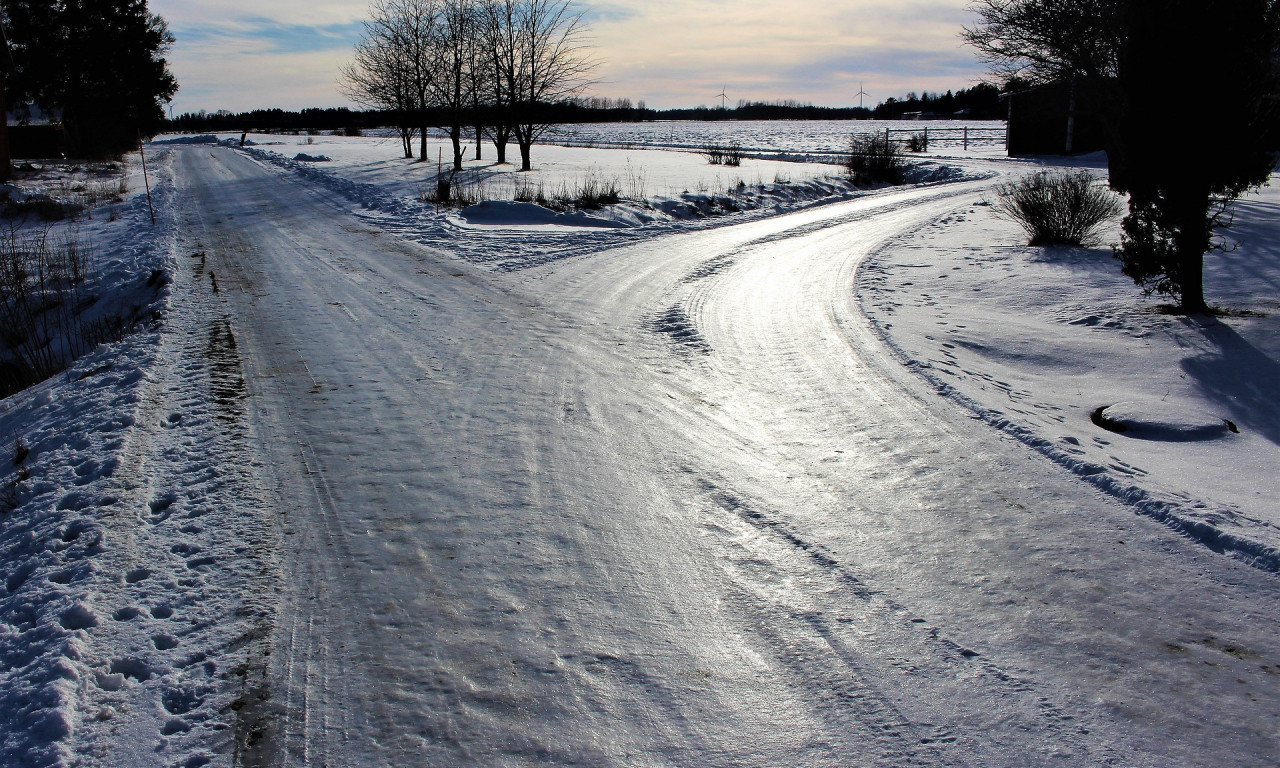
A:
(245, 54)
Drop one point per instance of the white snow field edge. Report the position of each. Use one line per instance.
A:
(1175, 416)
(662, 191)
(135, 542)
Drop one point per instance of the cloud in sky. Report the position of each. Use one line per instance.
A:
(244, 54)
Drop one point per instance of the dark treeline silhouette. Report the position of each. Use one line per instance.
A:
(316, 119)
(981, 102)
(267, 120)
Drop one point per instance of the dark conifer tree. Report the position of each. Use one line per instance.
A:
(1182, 163)
(99, 64)
(1186, 92)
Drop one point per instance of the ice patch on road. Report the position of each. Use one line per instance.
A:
(676, 325)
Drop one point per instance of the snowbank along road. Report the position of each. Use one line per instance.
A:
(671, 504)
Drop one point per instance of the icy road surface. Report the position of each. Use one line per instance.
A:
(673, 504)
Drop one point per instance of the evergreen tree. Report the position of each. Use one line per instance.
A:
(98, 63)
(1181, 157)
(1183, 164)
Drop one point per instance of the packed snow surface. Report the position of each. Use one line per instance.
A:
(807, 480)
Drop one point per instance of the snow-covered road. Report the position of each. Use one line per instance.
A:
(672, 504)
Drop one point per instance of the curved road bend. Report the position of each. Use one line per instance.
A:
(674, 505)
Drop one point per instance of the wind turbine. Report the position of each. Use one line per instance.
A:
(722, 96)
(860, 94)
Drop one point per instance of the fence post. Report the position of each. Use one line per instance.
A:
(886, 137)
(143, 154)
(926, 138)
(966, 138)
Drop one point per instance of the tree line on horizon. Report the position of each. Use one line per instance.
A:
(980, 102)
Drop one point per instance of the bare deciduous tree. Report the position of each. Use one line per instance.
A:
(377, 79)
(399, 38)
(540, 57)
(454, 42)
(1042, 41)
(495, 63)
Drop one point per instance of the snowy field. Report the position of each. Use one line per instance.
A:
(779, 471)
(826, 138)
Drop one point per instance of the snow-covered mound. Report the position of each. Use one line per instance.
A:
(511, 213)
(1161, 420)
(303, 157)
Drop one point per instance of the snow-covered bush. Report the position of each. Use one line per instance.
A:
(875, 160)
(1062, 207)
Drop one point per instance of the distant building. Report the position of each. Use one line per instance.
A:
(1050, 120)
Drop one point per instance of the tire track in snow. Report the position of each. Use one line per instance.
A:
(291, 722)
(564, 607)
(765, 555)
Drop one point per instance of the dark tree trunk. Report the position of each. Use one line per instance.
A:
(1192, 241)
(455, 136)
(479, 141)
(525, 148)
(501, 136)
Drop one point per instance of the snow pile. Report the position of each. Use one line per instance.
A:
(1175, 416)
(303, 157)
(509, 213)
(1161, 421)
(65, 439)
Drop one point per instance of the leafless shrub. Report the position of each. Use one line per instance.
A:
(43, 298)
(875, 160)
(43, 207)
(918, 142)
(594, 192)
(457, 191)
(527, 191)
(96, 192)
(730, 155)
(1060, 207)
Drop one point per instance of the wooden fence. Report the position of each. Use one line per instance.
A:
(963, 137)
